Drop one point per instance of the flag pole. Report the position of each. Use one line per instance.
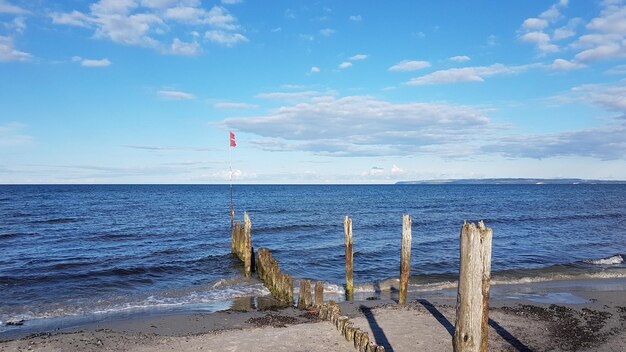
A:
(230, 180)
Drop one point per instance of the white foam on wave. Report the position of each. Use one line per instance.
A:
(213, 297)
(333, 289)
(557, 277)
(616, 259)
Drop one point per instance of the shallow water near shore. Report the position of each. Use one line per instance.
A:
(90, 251)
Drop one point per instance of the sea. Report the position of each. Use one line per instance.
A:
(89, 252)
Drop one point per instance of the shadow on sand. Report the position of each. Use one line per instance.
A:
(507, 336)
(379, 334)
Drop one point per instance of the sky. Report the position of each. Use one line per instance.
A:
(146, 91)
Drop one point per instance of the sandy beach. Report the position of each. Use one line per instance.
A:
(524, 322)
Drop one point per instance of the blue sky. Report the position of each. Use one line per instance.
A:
(145, 91)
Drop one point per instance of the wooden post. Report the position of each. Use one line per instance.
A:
(235, 237)
(485, 239)
(247, 245)
(319, 294)
(347, 229)
(304, 298)
(471, 318)
(405, 258)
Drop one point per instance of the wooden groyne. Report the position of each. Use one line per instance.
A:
(472, 308)
(279, 284)
(360, 339)
(242, 244)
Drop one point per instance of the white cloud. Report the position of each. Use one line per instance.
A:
(237, 174)
(356, 18)
(607, 143)
(361, 126)
(541, 41)
(8, 8)
(231, 2)
(564, 65)
(604, 143)
(462, 58)
(74, 18)
(492, 40)
(607, 37)
(534, 24)
(396, 170)
(290, 14)
(617, 70)
(164, 4)
(131, 22)
(466, 74)
(11, 135)
(554, 13)
(562, 33)
(9, 53)
(609, 97)
(374, 171)
(358, 57)
(179, 47)
(219, 17)
(409, 65)
(345, 65)
(315, 69)
(532, 29)
(174, 95)
(290, 96)
(18, 24)
(91, 62)
(230, 105)
(327, 32)
(225, 38)
(568, 30)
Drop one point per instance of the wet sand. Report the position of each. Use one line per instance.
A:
(586, 315)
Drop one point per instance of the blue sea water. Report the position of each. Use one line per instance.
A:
(85, 250)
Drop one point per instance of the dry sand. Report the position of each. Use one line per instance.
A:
(425, 324)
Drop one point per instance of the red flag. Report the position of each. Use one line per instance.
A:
(232, 140)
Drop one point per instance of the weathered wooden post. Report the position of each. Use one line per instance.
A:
(304, 297)
(405, 258)
(247, 245)
(347, 229)
(485, 237)
(319, 294)
(471, 329)
(235, 237)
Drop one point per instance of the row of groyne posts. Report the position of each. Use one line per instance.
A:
(472, 307)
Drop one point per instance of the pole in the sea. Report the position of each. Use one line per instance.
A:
(405, 258)
(347, 228)
(231, 145)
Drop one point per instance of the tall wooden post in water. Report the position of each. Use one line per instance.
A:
(472, 306)
(347, 229)
(405, 258)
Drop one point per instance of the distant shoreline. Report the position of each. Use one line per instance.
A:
(513, 181)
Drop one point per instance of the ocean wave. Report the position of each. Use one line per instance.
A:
(612, 260)
(56, 221)
(561, 276)
(6, 236)
(215, 296)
